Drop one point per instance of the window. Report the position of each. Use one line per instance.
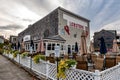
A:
(44, 45)
(28, 46)
(68, 46)
(73, 47)
(69, 49)
(61, 47)
(33, 46)
(46, 33)
(36, 46)
(49, 46)
(108, 45)
(14, 39)
(62, 32)
(58, 44)
(75, 35)
(53, 46)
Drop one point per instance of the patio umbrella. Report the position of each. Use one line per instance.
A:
(31, 43)
(76, 47)
(83, 46)
(23, 46)
(115, 48)
(69, 51)
(41, 46)
(103, 49)
(91, 48)
(18, 45)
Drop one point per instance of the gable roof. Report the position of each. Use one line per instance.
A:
(73, 14)
(56, 37)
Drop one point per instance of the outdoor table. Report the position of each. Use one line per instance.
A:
(110, 61)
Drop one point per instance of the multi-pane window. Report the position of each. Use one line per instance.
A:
(61, 47)
(73, 47)
(49, 46)
(53, 46)
(36, 45)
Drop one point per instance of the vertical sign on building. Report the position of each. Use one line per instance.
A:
(57, 51)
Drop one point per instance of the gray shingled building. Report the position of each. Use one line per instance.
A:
(60, 27)
(108, 35)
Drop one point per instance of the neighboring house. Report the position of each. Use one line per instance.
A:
(60, 27)
(118, 40)
(13, 40)
(1, 39)
(108, 36)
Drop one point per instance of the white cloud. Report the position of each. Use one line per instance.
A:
(25, 12)
(112, 26)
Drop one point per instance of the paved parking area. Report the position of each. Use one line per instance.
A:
(10, 71)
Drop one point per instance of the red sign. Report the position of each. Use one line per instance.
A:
(75, 25)
(67, 29)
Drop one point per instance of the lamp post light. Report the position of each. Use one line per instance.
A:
(31, 50)
(57, 55)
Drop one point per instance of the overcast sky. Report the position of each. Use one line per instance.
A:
(16, 15)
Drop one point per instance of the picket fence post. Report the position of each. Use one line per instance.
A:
(97, 75)
(47, 69)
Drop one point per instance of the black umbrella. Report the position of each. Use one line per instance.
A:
(69, 50)
(76, 47)
(103, 49)
(18, 46)
(31, 46)
(31, 43)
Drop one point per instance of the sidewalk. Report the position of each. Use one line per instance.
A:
(10, 71)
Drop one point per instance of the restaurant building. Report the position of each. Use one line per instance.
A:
(60, 27)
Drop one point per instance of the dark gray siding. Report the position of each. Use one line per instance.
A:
(46, 26)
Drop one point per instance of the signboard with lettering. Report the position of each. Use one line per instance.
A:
(74, 22)
(57, 51)
(26, 38)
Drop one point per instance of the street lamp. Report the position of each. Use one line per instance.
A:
(57, 55)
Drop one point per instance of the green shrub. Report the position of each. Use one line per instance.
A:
(24, 54)
(15, 54)
(36, 58)
(1, 51)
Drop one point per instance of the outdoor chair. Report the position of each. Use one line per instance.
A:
(110, 62)
(66, 56)
(99, 63)
(93, 58)
(50, 59)
(82, 65)
(117, 59)
(74, 55)
(79, 58)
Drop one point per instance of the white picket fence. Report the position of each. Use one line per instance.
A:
(49, 70)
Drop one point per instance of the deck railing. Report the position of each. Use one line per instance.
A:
(49, 70)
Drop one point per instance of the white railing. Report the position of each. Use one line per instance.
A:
(111, 73)
(40, 67)
(49, 70)
(76, 74)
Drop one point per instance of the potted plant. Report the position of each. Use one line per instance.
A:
(24, 54)
(65, 65)
(15, 54)
(36, 58)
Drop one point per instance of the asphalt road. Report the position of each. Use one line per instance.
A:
(10, 71)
